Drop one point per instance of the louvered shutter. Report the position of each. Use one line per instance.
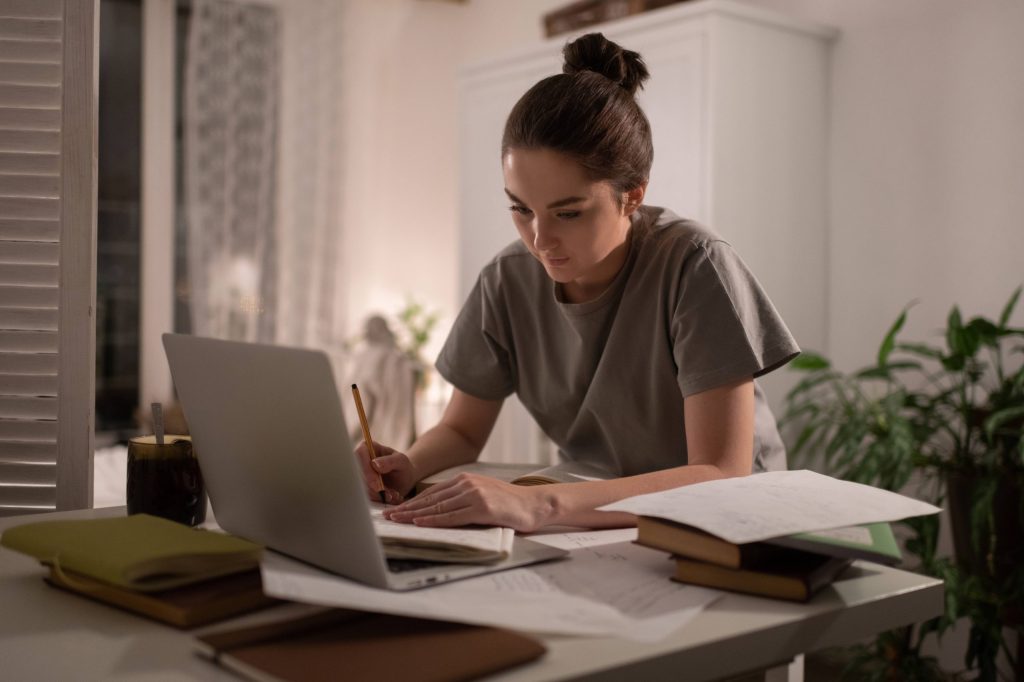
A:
(48, 85)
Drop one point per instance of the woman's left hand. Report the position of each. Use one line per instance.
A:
(474, 499)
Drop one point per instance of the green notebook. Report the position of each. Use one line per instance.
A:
(138, 552)
(872, 541)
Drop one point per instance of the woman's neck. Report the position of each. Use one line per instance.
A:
(597, 281)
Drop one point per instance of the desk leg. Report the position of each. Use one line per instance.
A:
(789, 672)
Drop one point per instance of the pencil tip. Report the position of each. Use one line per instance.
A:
(353, 385)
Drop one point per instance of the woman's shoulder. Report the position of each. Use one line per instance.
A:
(514, 256)
(514, 264)
(664, 232)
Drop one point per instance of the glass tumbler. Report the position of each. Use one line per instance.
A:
(164, 480)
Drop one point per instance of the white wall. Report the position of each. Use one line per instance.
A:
(927, 148)
(400, 212)
(399, 191)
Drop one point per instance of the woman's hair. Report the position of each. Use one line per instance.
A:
(589, 113)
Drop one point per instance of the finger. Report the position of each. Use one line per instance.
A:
(438, 509)
(424, 501)
(458, 517)
(370, 477)
(434, 506)
(419, 502)
(385, 464)
(380, 449)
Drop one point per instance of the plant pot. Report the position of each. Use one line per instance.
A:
(1007, 529)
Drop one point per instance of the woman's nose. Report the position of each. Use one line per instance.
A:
(543, 236)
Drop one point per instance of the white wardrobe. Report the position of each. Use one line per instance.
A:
(738, 105)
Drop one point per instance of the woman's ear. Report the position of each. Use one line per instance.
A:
(633, 199)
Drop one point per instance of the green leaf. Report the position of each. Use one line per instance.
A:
(983, 332)
(921, 349)
(809, 361)
(971, 339)
(889, 342)
(1004, 317)
(954, 329)
(954, 362)
(805, 436)
(809, 383)
(1001, 417)
(885, 371)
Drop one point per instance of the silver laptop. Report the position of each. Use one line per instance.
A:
(278, 462)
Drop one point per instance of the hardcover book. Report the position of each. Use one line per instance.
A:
(873, 542)
(187, 606)
(796, 579)
(139, 552)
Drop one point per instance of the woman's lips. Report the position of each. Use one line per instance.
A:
(556, 262)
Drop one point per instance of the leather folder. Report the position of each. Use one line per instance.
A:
(341, 644)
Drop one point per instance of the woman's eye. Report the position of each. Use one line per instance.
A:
(568, 215)
(521, 210)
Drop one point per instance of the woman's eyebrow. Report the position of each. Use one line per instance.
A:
(554, 204)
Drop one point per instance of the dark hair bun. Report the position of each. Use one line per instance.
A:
(594, 52)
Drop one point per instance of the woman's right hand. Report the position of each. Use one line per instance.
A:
(394, 468)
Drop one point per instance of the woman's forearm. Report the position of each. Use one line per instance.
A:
(440, 448)
(574, 504)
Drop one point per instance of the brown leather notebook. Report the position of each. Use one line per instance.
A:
(354, 645)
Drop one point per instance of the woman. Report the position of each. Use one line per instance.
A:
(632, 336)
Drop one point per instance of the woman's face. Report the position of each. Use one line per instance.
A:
(575, 227)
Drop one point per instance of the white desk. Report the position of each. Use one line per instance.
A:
(46, 634)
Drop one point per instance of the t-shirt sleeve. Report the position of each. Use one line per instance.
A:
(724, 327)
(476, 357)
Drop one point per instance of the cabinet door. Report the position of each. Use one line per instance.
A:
(675, 101)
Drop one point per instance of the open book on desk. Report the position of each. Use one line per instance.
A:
(473, 545)
(521, 474)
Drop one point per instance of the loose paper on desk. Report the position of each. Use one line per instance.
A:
(772, 504)
(620, 589)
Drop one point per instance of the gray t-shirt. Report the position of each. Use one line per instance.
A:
(606, 379)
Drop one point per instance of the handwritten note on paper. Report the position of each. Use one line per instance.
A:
(772, 504)
(621, 589)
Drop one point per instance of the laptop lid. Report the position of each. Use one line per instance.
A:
(278, 463)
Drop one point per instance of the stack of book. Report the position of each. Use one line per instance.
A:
(793, 567)
(158, 568)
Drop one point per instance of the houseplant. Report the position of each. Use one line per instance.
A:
(949, 421)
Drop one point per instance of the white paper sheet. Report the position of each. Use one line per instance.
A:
(577, 539)
(772, 504)
(620, 589)
(489, 539)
